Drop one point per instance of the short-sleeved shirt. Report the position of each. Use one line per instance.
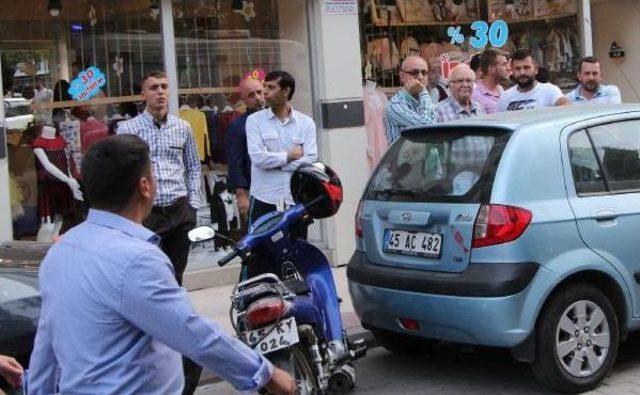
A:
(542, 95)
(606, 94)
(487, 99)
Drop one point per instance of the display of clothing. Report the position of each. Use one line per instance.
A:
(218, 135)
(198, 122)
(54, 196)
(374, 105)
(70, 132)
(91, 131)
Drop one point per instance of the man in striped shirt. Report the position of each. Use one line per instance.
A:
(176, 168)
(412, 105)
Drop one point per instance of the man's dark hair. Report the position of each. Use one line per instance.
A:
(522, 54)
(111, 170)
(475, 62)
(154, 74)
(284, 80)
(489, 58)
(587, 59)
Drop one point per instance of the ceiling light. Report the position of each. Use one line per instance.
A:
(54, 7)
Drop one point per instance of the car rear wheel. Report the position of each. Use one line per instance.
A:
(576, 339)
(401, 344)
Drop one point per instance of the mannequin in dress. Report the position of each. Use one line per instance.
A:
(49, 133)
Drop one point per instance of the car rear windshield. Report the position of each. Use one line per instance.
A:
(443, 165)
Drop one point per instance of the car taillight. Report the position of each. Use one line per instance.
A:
(265, 311)
(497, 224)
(359, 221)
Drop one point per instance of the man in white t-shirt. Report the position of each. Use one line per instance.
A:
(529, 93)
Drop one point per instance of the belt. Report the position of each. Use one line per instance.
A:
(171, 207)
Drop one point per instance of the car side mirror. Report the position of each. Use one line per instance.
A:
(201, 233)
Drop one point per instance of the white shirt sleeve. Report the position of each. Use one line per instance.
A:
(309, 145)
(260, 155)
(553, 93)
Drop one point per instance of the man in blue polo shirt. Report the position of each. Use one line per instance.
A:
(114, 319)
(591, 89)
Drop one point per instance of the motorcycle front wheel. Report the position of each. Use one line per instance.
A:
(297, 362)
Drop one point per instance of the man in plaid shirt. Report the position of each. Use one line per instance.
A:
(459, 104)
(176, 168)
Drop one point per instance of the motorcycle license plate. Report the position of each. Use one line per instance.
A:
(272, 337)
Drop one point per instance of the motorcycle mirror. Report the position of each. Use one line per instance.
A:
(201, 233)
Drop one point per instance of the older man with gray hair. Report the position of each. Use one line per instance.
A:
(459, 104)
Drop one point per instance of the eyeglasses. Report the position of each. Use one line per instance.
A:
(416, 72)
(467, 81)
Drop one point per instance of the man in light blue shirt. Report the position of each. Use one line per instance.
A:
(114, 320)
(279, 139)
(591, 90)
(412, 105)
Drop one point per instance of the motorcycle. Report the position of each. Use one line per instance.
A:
(292, 317)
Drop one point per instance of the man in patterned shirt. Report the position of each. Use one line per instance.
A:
(459, 104)
(176, 168)
(412, 105)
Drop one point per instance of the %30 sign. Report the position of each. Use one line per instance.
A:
(87, 84)
(496, 34)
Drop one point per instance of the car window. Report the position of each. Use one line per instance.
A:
(437, 166)
(618, 148)
(21, 109)
(587, 174)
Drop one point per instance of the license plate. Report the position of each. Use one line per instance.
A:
(413, 243)
(272, 337)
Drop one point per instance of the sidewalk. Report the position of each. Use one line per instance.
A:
(214, 303)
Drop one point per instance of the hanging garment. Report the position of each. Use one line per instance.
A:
(54, 196)
(430, 51)
(374, 106)
(91, 131)
(219, 135)
(70, 132)
(198, 122)
(409, 46)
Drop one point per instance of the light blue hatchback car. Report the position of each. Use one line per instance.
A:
(517, 230)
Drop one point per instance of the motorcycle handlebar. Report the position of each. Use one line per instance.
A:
(229, 257)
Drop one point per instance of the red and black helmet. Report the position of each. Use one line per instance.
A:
(317, 187)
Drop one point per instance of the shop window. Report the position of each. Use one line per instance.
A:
(217, 44)
(393, 29)
(40, 56)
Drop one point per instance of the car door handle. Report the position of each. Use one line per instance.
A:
(606, 214)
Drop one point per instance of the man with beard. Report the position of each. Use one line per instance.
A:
(279, 139)
(529, 93)
(487, 92)
(591, 89)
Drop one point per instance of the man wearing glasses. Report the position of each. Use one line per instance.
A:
(412, 105)
(459, 104)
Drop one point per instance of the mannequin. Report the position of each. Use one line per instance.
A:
(49, 133)
(56, 188)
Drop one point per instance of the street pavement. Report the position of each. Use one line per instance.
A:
(447, 369)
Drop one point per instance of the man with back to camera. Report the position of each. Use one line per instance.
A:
(487, 92)
(411, 105)
(591, 89)
(114, 320)
(529, 93)
(239, 161)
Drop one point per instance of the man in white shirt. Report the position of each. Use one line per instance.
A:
(591, 89)
(279, 139)
(529, 93)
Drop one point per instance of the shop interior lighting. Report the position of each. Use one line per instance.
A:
(54, 8)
